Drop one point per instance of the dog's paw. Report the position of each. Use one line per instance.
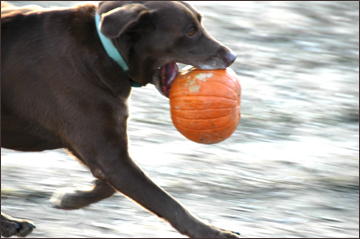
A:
(64, 199)
(211, 231)
(229, 234)
(24, 228)
(20, 228)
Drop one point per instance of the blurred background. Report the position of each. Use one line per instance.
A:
(291, 169)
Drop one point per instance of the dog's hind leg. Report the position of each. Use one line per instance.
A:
(76, 199)
(11, 226)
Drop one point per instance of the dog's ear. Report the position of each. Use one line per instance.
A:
(121, 19)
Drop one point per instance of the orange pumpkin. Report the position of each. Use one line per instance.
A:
(205, 104)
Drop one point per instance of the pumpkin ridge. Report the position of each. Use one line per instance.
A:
(222, 84)
(198, 96)
(193, 119)
(226, 126)
(204, 109)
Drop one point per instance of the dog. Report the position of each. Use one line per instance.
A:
(66, 75)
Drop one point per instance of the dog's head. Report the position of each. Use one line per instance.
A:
(153, 36)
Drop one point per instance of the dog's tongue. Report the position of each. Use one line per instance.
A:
(168, 74)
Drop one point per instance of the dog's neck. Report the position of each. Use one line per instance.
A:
(112, 51)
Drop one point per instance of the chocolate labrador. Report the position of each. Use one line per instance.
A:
(66, 75)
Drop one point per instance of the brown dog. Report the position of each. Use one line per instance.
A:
(66, 75)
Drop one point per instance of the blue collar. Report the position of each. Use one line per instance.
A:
(112, 51)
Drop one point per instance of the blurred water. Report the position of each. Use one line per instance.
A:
(290, 170)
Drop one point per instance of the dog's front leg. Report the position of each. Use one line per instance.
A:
(105, 151)
(126, 177)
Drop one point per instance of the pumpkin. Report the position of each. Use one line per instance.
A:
(205, 104)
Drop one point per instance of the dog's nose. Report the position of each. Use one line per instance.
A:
(230, 58)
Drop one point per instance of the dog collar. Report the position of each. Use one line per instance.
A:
(112, 51)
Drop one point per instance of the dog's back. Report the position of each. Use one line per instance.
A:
(7, 8)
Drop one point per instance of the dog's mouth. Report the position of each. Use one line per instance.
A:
(164, 77)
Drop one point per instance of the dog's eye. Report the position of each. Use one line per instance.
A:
(192, 32)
